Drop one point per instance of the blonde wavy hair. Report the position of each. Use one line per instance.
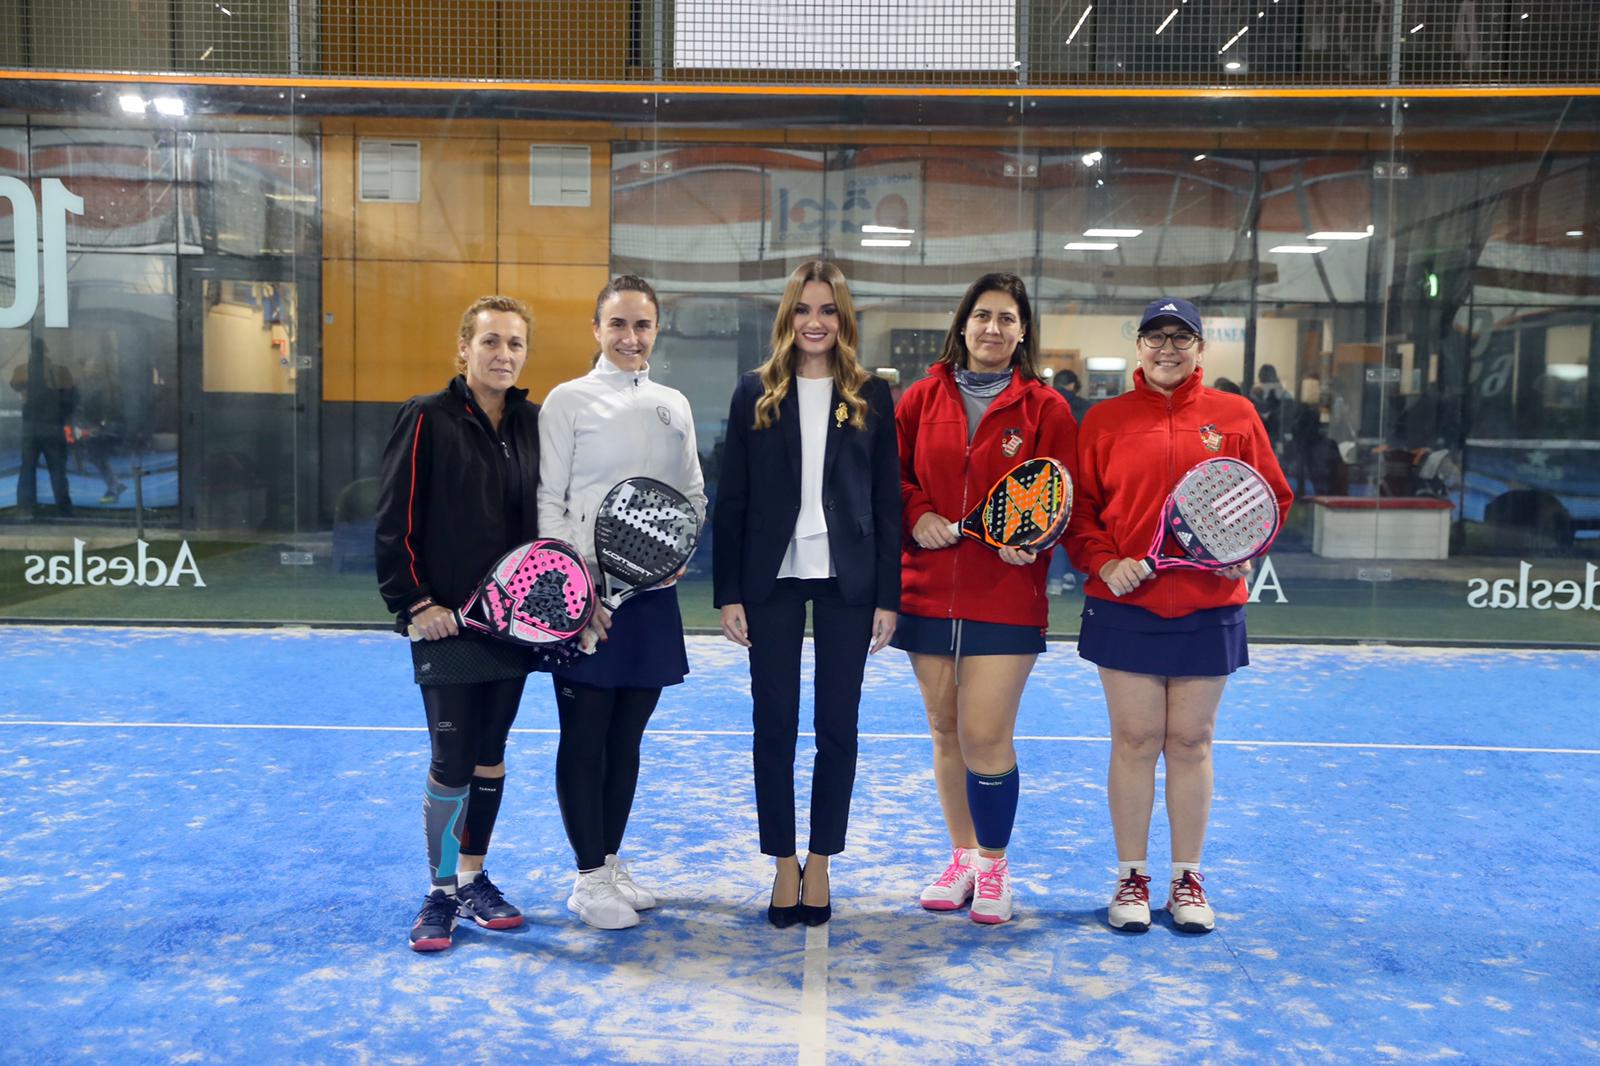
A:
(777, 373)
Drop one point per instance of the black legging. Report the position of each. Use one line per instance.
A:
(467, 727)
(597, 764)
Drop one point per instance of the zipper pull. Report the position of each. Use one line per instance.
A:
(506, 449)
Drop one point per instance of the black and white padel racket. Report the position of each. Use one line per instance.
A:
(1220, 514)
(644, 534)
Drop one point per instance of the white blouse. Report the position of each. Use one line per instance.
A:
(808, 556)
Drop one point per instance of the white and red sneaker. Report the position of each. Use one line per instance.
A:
(1130, 905)
(1187, 904)
(953, 887)
(991, 902)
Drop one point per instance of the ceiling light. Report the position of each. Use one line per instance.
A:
(1105, 362)
(1418, 26)
(885, 242)
(1234, 39)
(1298, 249)
(1233, 65)
(1090, 246)
(1166, 21)
(1199, 157)
(1574, 233)
(1339, 235)
(1091, 158)
(885, 229)
(131, 103)
(171, 106)
(1112, 232)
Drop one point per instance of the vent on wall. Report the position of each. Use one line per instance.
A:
(558, 175)
(391, 171)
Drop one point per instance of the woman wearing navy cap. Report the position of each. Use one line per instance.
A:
(1166, 643)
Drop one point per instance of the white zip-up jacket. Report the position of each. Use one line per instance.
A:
(608, 425)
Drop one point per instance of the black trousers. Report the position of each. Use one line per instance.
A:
(842, 633)
(54, 449)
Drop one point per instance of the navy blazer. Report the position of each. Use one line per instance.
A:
(758, 499)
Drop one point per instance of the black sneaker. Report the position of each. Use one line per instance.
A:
(435, 923)
(482, 902)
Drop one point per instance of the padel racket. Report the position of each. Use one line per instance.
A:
(1220, 514)
(538, 593)
(1027, 508)
(644, 533)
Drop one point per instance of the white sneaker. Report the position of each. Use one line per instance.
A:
(1187, 903)
(954, 887)
(596, 900)
(637, 896)
(991, 903)
(1130, 905)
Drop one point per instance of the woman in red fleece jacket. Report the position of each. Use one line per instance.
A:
(1165, 643)
(970, 612)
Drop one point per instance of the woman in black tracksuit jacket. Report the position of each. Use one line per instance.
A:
(458, 490)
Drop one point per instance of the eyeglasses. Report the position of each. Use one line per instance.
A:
(1155, 339)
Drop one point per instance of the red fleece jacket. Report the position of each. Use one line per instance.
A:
(940, 472)
(1132, 450)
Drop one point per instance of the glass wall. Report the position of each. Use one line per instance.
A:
(216, 307)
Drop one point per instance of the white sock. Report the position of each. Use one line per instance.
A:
(1126, 868)
(1179, 867)
(449, 890)
(586, 873)
(466, 877)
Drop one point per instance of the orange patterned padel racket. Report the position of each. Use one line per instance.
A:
(1027, 508)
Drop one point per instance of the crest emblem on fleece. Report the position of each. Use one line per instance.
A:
(1011, 442)
(666, 417)
(1211, 438)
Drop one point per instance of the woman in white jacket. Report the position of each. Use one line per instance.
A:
(594, 431)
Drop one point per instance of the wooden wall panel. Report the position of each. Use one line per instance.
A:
(562, 299)
(577, 235)
(455, 219)
(406, 315)
(339, 330)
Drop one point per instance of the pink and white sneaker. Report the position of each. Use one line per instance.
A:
(953, 887)
(1130, 905)
(991, 903)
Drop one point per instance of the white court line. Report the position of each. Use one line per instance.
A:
(1359, 745)
(814, 999)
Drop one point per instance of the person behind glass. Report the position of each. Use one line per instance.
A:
(808, 510)
(457, 491)
(1165, 643)
(611, 424)
(973, 619)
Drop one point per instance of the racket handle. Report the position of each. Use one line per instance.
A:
(1149, 567)
(954, 528)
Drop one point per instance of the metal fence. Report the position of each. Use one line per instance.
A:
(959, 43)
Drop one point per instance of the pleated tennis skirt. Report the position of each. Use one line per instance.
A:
(1120, 636)
(645, 649)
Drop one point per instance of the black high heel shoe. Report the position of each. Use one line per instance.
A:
(784, 917)
(809, 914)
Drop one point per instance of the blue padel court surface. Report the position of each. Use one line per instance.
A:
(213, 850)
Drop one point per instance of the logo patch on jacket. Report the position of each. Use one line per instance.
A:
(666, 417)
(1011, 442)
(1210, 437)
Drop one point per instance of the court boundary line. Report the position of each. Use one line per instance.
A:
(1229, 742)
(813, 1050)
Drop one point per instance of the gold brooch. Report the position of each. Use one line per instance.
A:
(840, 413)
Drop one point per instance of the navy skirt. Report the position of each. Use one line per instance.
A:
(956, 636)
(645, 649)
(1120, 636)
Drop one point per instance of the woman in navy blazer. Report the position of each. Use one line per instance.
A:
(808, 510)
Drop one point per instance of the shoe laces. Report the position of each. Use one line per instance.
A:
(992, 882)
(483, 891)
(1186, 890)
(1133, 889)
(956, 871)
(438, 909)
(619, 873)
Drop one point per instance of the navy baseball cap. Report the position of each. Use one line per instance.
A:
(1171, 307)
